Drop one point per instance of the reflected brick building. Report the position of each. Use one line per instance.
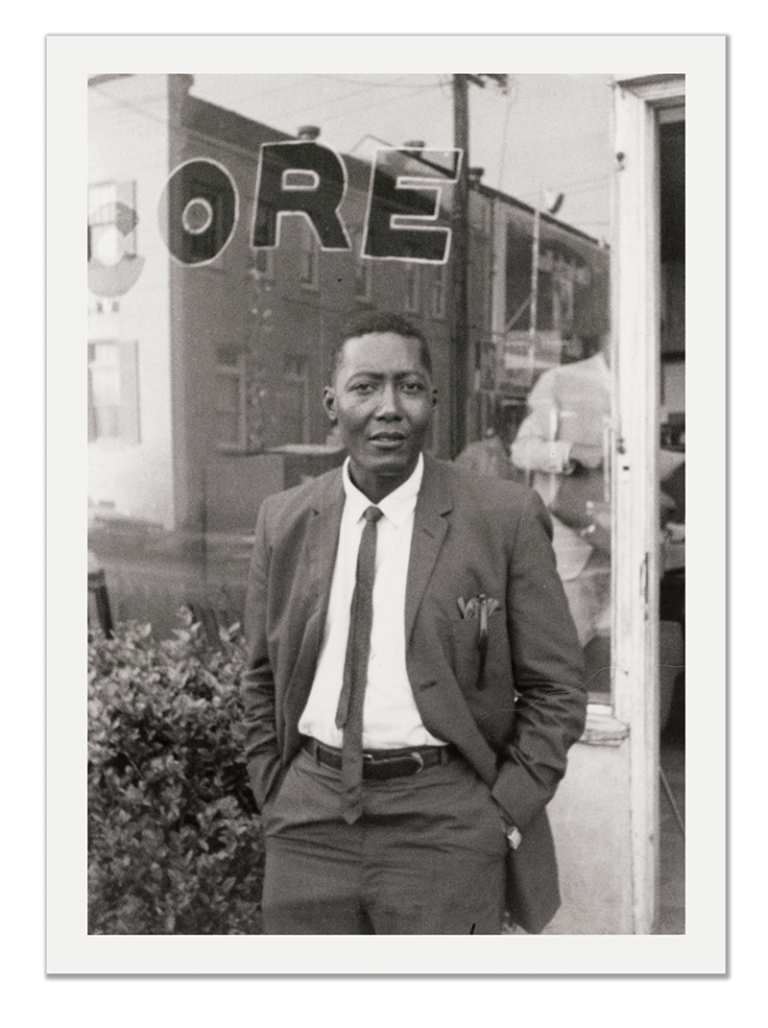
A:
(205, 379)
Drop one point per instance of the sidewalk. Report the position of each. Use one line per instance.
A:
(150, 583)
(672, 874)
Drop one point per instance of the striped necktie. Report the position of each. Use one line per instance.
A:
(349, 715)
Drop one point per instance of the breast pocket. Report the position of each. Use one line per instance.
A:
(477, 667)
(464, 642)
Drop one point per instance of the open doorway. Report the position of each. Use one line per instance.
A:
(671, 464)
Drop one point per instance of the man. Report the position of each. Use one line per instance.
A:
(414, 678)
(561, 442)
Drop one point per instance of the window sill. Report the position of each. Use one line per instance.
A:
(602, 728)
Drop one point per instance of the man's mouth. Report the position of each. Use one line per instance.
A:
(388, 440)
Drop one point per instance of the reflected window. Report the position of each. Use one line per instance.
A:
(363, 273)
(111, 222)
(412, 287)
(264, 265)
(113, 401)
(293, 400)
(230, 401)
(437, 297)
(309, 258)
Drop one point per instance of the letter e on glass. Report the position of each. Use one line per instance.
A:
(405, 205)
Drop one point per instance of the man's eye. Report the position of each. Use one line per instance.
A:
(413, 387)
(362, 387)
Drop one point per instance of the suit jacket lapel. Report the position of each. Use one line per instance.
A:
(321, 542)
(429, 529)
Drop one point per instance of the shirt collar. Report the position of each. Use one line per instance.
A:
(397, 505)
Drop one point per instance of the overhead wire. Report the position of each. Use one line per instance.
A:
(133, 106)
(348, 96)
(393, 100)
(574, 188)
(393, 84)
(122, 102)
(260, 93)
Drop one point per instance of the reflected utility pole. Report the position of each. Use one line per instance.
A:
(460, 348)
(460, 268)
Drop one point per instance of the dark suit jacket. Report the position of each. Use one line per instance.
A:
(471, 536)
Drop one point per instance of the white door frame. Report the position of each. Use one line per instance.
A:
(636, 270)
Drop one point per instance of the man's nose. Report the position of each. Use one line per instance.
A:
(389, 404)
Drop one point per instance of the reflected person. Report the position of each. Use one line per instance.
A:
(561, 442)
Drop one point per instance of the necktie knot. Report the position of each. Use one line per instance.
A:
(372, 514)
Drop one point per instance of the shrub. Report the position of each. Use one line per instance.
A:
(174, 847)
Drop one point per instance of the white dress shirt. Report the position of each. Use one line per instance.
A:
(390, 717)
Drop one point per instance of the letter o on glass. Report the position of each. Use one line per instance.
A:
(198, 211)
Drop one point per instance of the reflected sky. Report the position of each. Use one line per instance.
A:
(545, 133)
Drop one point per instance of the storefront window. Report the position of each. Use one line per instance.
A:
(512, 286)
(532, 227)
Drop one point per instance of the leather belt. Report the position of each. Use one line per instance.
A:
(380, 764)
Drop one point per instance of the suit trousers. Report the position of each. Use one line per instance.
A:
(426, 858)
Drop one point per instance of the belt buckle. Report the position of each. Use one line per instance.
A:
(373, 760)
(417, 757)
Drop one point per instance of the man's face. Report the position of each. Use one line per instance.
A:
(382, 397)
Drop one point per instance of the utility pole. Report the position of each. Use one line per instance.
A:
(460, 268)
(460, 344)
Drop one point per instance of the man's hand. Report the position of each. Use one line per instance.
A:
(512, 832)
(586, 455)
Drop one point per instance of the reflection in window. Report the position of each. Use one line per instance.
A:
(111, 222)
(230, 401)
(204, 218)
(264, 264)
(363, 275)
(437, 304)
(309, 270)
(562, 447)
(104, 393)
(274, 332)
(293, 400)
(113, 400)
(563, 277)
(412, 287)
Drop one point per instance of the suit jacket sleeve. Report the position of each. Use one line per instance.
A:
(548, 672)
(258, 681)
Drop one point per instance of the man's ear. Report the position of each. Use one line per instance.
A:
(434, 397)
(329, 403)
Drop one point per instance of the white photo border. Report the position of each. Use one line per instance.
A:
(70, 950)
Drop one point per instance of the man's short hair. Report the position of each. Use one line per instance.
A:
(364, 323)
